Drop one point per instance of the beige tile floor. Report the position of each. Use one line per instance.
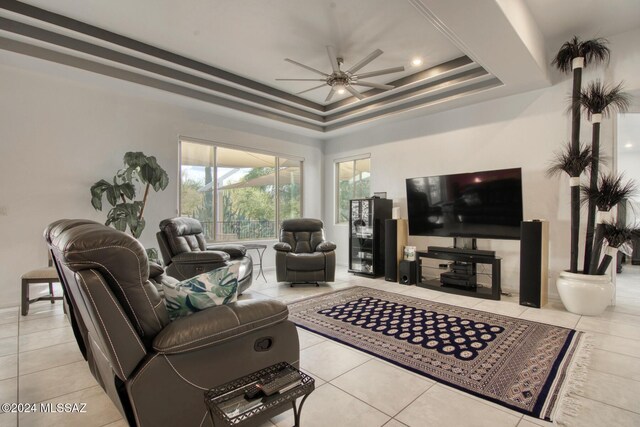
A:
(40, 362)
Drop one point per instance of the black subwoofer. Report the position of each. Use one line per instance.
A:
(534, 263)
(408, 272)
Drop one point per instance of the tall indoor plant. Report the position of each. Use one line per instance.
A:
(580, 292)
(598, 100)
(575, 55)
(127, 212)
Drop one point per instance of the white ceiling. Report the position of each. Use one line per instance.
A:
(560, 19)
(507, 42)
(251, 38)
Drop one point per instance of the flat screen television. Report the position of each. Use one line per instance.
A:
(485, 204)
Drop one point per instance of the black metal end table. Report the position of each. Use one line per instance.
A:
(228, 406)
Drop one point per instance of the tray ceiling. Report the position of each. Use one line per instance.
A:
(229, 53)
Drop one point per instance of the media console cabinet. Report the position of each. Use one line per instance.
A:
(467, 256)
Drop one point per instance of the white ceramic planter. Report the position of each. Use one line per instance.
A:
(585, 294)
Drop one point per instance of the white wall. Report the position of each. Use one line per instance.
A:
(62, 129)
(517, 131)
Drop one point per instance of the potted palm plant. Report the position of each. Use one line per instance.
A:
(598, 100)
(586, 293)
(575, 55)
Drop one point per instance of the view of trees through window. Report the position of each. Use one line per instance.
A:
(236, 194)
(353, 179)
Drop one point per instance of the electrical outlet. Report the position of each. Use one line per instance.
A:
(4, 211)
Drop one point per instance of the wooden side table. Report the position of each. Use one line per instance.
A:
(41, 275)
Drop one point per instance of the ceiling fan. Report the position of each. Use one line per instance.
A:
(341, 81)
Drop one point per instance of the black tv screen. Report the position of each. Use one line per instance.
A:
(485, 204)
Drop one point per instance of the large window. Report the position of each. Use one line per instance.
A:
(237, 194)
(353, 179)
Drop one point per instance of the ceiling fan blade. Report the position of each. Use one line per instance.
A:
(373, 55)
(309, 90)
(307, 67)
(333, 58)
(376, 85)
(331, 92)
(354, 92)
(300, 80)
(380, 72)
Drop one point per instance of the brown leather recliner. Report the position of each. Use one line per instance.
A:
(156, 371)
(303, 254)
(186, 254)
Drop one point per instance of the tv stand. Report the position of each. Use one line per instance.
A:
(444, 249)
(461, 281)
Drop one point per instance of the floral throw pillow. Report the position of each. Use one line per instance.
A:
(216, 287)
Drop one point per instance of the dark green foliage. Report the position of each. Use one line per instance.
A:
(126, 212)
(593, 51)
(599, 98)
(609, 192)
(603, 99)
(619, 234)
(616, 236)
(572, 162)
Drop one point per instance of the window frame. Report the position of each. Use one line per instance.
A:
(217, 144)
(336, 183)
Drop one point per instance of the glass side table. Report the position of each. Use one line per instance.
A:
(228, 406)
(260, 249)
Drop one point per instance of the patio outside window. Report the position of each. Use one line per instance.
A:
(238, 194)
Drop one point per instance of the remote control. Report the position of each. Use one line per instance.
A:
(252, 391)
(278, 381)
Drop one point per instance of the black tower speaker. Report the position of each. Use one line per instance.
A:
(534, 263)
(408, 272)
(391, 250)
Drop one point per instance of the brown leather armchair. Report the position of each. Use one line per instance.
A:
(303, 254)
(156, 371)
(186, 253)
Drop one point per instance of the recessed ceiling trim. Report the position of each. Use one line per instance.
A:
(427, 74)
(417, 92)
(135, 45)
(118, 73)
(63, 40)
(419, 103)
(122, 58)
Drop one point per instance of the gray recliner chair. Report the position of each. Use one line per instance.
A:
(156, 371)
(302, 254)
(186, 253)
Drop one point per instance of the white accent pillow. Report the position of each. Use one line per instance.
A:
(216, 287)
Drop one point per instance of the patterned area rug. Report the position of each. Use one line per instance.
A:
(526, 366)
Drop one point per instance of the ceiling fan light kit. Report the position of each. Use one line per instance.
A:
(340, 81)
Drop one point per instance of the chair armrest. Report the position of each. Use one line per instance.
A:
(155, 269)
(282, 247)
(218, 324)
(234, 251)
(201, 257)
(325, 246)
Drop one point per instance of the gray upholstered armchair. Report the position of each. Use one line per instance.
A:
(154, 370)
(303, 254)
(186, 253)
